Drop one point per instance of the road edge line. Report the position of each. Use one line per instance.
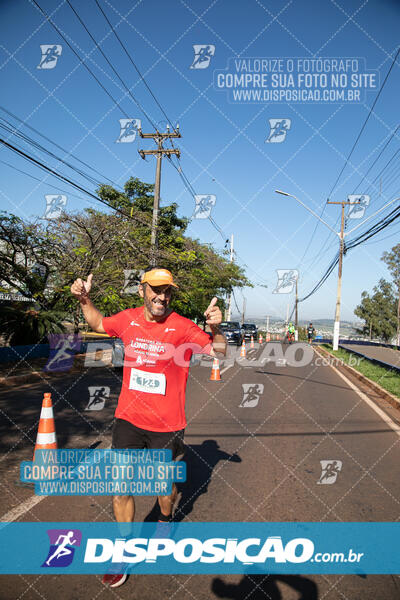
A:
(384, 416)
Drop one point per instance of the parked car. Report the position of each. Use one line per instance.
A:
(232, 332)
(249, 329)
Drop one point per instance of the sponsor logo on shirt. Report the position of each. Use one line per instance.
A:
(169, 329)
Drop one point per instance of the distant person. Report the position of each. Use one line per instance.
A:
(310, 333)
(290, 333)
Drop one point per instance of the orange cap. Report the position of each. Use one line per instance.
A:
(158, 277)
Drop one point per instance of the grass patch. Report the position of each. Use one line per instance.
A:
(389, 380)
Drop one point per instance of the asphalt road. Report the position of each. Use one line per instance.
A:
(248, 459)
(388, 355)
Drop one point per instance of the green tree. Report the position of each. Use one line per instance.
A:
(75, 245)
(392, 260)
(378, 311)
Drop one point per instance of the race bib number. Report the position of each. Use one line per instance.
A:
(152, 383)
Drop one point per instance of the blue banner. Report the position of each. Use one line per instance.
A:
(194, 548)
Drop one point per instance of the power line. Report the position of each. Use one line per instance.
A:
(56, 145)
(357, 241)
(67, 180)
(81, 60)
(111, 66)
(135, 66)
(365, 122)
(378, 157)
(41, 148)
(37, 179)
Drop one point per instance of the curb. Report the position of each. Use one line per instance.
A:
(393, 400)
(37, 375)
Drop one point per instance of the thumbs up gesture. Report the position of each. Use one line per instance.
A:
(80, 289)
(213, 314)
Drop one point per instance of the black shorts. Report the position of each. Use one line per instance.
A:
(125, 435)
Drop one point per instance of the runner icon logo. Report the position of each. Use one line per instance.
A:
(55, 203)
(133, 278)
(204, 204)
(128, 130)
(251, 394)
(202, 56)
(286, 281)
(278, 130)
(62, 547)
(330, 471)
(358, 206)
(98, 396)
(50, 55)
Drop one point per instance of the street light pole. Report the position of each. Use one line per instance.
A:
(336, 326)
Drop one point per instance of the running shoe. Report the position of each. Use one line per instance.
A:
(115, 576)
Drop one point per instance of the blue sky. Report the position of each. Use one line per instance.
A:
(223, 146)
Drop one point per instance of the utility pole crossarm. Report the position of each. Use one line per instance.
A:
(167, 151)
(156, 135)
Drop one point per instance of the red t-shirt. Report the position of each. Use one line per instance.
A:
(156, 367)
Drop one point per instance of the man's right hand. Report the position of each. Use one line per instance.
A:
(80, 289)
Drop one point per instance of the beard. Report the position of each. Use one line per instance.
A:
(156, 307)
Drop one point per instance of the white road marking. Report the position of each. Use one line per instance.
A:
(371, 403)
(26, 505)
(226, 368)
(18, 511)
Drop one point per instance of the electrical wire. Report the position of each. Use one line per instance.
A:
(135, 66)
(41, 148)
(97, 45)
(69, 181)
(81, 60)
(365, 123)
(57, 145)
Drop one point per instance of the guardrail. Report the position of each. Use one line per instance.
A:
(375, 361)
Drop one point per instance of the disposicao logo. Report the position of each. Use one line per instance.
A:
(62, 547)
(191, 550)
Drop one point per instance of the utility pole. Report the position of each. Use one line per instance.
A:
(159, 138)
(244, 309)
(267, 323)
(228, 310)
(339, 285)
(341, 235)
(296, 315)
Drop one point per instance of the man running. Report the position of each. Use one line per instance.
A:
(158, 343)
(310, 333)
(290, 333)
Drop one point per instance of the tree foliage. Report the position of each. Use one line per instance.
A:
(378, 311)
(106, 244)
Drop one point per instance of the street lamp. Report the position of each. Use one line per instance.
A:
(341, 235)
(341, 238)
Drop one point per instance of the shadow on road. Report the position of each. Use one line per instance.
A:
(262, 586)
(200, 462)
(274, 373)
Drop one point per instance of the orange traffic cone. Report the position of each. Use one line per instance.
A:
(260, 339)
(243, 350)
(215, 374)
(267, 338)
(251, 342)
(46, 436)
